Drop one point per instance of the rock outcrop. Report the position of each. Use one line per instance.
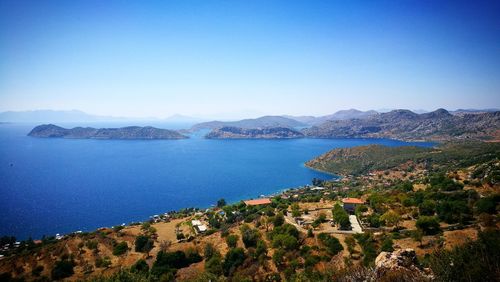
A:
(401, 263)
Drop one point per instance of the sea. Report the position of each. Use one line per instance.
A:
(50, 186)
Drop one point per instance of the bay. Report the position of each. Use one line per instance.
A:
(50, 186)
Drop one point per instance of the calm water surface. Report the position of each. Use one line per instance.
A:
(50, 186)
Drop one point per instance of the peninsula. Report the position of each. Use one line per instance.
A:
(128, 133)
(229, 132)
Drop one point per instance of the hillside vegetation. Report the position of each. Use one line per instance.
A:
(359, 160)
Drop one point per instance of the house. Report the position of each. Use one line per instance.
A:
(198, 226)
(350, 204)
(257, 202)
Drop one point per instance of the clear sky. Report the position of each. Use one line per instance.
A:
(247, 58)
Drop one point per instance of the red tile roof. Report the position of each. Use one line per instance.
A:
(352, 201)
(257, 202)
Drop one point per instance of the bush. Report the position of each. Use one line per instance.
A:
(331, 243)
(102, 262)
(249, 236)
(62, 269)
(140, 266)
(214, 265)
(428, 224)
(387, 245)
(209, 251)
(279, 219)
(473, 261)
(143, 244)
(168, 262)
(427, 207)
(454, 211)
(487, 205)
(232, 240)
(234, 258)
(120, 248)
(285, 241)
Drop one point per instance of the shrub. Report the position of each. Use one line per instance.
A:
(387, 245)
(249, 236)
(428, 224)
(214, 265)
(232, 240)
(143, 244)
(473, 261)
(285, 241)
(487, 205)
(120, 248)
(427, 207)
(62, 269)
(140, 266)
(279, 219)
(234, 258)
(168, 262)
(209, 251)
(102, 262)
(331, 243)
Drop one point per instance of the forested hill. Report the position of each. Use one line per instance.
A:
(359, 160)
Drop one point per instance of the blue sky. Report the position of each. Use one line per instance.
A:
(247, 58)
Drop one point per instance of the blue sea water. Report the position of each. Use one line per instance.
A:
(50, 186)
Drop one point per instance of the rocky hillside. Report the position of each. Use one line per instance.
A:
(262, 122)
(405, 124)
(260, 133)
(130, 132)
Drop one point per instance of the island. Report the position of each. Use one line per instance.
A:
(230, 132)
(123, 133)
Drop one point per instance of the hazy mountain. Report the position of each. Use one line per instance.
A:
(340, 115)
(261, 122)
(405, 124)
(183, 119)
(53, 116)
(473, 111)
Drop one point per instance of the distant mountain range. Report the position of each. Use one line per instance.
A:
(262, 122)
(405, 124)
(130, 132)
(398, 124)
(256, 133)
(53, 116)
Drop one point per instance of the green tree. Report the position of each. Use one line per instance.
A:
(234, 258)
(428, 224)
(249, 236)
(221, 203)
(391, 218)
(331, 243)
(143, 244)
(279, 219)
(120, 248)
(295, 210)
(427, 207)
